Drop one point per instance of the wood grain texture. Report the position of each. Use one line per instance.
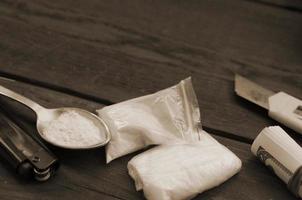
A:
(109, 51)
(84, 174)
(118, 50)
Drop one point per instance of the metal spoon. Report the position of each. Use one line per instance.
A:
(45, 116)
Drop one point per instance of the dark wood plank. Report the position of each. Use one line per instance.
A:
(118, 50)
(84, 174)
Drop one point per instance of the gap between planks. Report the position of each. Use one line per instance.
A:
(71, 92)
(293, 5)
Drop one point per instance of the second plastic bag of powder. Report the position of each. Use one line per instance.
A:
(176, 172)
(165, 117)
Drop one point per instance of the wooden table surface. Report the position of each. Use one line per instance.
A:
(90, 54)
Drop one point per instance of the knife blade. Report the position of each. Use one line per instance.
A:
(281, 106)
(252, 91)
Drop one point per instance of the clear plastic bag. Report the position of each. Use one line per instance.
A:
(165, 117)
(181, 171)
(188, 160)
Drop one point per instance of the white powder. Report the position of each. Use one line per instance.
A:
(71, 129)
(167, 117)
(182, 171)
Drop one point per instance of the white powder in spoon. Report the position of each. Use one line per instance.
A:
(71, 129)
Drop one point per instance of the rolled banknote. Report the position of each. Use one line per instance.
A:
(278, 151)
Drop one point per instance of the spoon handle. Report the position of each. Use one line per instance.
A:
(18, 97)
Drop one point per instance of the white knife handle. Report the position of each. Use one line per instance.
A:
(287, 110)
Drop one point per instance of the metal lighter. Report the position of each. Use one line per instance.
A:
(29, 157)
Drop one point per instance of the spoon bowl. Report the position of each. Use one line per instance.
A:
(46, 116)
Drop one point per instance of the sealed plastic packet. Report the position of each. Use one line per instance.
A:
(165, 117)
(181, 171)
(188, 160)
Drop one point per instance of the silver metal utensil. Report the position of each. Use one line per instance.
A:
(46, 116)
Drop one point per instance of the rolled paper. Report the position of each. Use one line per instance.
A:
(278, 151)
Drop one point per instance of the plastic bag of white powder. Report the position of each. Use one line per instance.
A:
(165, 117)
(188, 160)
(181, 171)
